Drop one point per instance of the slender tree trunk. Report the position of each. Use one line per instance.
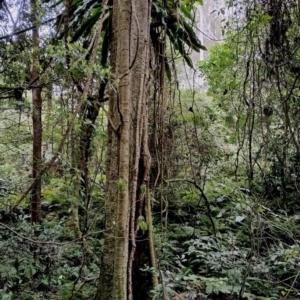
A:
(128, 159)
(36, 121)
(90, 113)
(73, 140)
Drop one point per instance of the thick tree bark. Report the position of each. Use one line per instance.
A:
(140, 283)
(113, 276)
(36, 121)
(128, 159)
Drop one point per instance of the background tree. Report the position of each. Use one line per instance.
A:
(36, 118)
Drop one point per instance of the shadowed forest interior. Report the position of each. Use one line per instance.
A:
(149, 150)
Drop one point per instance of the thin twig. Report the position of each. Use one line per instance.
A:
(37, 241)
(199, 188)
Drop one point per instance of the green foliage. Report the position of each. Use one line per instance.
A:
(221, 62)
(142, 224)
(176, 18)
(31, 270)
(121, 185)
(243, 259)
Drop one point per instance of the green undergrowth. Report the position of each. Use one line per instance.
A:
(47, 260)
(241, 249)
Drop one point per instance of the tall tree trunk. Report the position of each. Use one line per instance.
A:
(128, 159)
(36, 120)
